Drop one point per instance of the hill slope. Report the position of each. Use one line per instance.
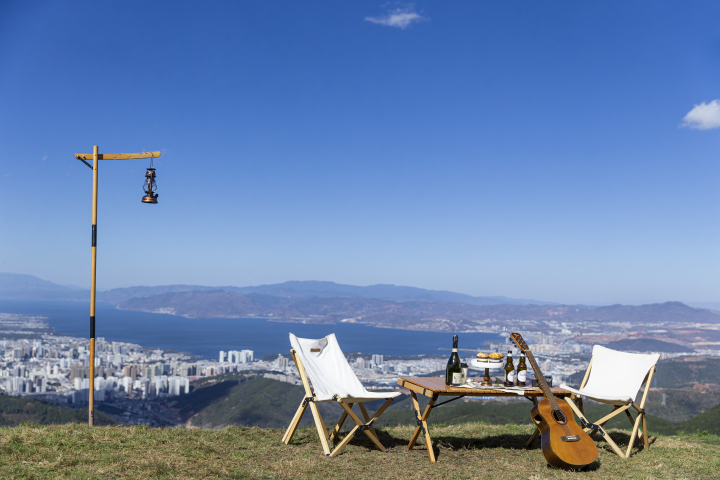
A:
(463, 451)
(16, 286)
(301, 289)
(263, 402)
(16, 410)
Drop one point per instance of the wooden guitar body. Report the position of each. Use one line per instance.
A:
(564, 445)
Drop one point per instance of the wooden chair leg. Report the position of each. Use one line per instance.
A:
(632, 420)
(360, 423)
(366, 417)
(632, 437)
(612, 443)
(344, 442)
(645, 435)
(599, 424)
(370, 432)
(339, 425)
(322, 432)
(358, 426)
(294, 423)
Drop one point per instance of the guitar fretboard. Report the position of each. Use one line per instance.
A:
(547, 391)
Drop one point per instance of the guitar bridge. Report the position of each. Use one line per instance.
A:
(570, 438)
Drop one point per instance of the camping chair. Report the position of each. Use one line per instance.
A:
(327, 376)
(615, 378)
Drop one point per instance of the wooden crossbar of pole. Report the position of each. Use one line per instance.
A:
(117, 156)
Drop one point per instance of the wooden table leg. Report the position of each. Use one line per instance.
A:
(532, 439)
(536, 433)
(423, 426)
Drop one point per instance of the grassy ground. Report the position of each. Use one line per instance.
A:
(470, 450)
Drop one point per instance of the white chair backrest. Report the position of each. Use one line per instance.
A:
(326, 367)
(618, 374)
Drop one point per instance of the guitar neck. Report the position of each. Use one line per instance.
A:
(541, 380)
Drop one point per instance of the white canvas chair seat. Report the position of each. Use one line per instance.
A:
(599, 397)
(327, 376)
(329, 372)
(615, 378)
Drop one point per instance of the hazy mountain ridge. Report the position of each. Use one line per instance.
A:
(435, 316)
(29, 287)
(16, 286)
(387, 306)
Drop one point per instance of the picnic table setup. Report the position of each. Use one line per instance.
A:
(613, 378)
(435, 388)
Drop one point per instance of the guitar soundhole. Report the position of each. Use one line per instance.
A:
(558, 416)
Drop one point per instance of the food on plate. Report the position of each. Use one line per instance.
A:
(482, 356)
(496, 357)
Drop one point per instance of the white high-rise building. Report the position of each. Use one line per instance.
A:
(178, 386)
(222, 356)
(241, 356)
(377, 360)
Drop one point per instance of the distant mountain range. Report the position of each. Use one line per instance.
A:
(29, 287)
(16, 286)
(433, 316)
(387, 306)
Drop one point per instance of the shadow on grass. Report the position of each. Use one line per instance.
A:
(443, 443)
(622, 439)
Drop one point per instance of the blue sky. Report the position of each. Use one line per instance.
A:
(563, 151)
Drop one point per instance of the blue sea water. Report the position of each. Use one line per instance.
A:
(205, 337)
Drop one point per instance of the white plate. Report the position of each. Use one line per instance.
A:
(490, 365)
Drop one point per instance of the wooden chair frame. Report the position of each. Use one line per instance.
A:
(593, 429)
(310, 399)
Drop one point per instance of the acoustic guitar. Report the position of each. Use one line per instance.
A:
(564, 443)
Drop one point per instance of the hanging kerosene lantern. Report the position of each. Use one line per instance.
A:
(150, 187)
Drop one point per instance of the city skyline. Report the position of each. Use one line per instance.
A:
(565, 153)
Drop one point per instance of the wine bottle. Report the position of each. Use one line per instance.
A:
(453, 371)
(509, 370)
(522, 372)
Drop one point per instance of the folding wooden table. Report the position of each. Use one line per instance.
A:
(434, 388)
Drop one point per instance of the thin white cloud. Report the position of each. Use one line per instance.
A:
(704, 116)
(44, 158)
(401, 17)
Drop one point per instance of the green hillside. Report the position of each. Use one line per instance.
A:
(256, 402)
(705, 422)
(470, 450)
(16, 410)
(268, 403)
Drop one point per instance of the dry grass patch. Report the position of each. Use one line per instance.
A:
(470, 450)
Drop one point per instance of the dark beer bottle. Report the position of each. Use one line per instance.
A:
(453, 371)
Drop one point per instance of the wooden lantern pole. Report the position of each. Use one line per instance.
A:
(96, 157)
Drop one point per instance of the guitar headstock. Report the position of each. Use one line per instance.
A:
(518, 339)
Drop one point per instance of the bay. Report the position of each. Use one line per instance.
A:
(205, 337)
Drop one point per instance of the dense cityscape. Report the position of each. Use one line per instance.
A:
(134, 383)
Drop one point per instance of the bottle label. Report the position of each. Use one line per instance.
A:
(457, 378)
(511, 376)
(522, 376)
(454, 350)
